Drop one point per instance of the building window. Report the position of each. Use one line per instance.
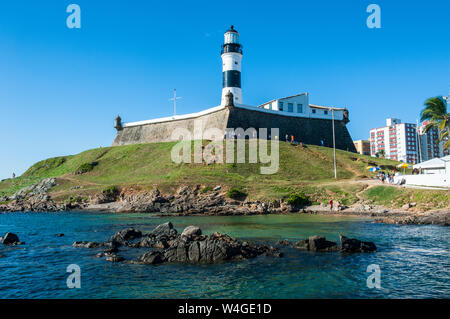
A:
(325, 112)
(300, 108)
(291, 107)
(280, 106)
(314, 111)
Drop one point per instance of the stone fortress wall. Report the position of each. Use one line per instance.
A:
(305, 130)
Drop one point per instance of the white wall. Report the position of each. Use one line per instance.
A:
(440, 180)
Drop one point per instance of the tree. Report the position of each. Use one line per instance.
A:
(381, 153)
(435, 112)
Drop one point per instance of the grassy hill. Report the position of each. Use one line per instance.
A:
(308, 169)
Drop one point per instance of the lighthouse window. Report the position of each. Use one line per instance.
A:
(291, 107)
(235, 62)
(280, 106)
(325, 112)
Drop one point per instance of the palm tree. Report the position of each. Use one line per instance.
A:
(435, 112)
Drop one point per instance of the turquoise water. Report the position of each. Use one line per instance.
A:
(414, 260)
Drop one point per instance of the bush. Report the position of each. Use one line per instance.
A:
(86, 167)
(298, 200)
(206, 189)
(111, 191)
(236, 193)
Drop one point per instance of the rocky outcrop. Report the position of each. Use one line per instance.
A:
(316, 243)
(33, 198)
(11, 239)
(124, 236)
(87, 244)
(187, 200)
(321, 244)
(191, 231)
(39, 188)
(212, 249)
(167, 246)
(437, 217)
(353, 245)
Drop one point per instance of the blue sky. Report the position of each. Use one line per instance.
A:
(61, 88)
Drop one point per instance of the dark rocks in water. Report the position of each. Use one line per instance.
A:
(302, 244)
(316, 244)
(114, 258)
(154, 242)
(59, 235)
(283, 243)
(191, 231)
(348, 245)
(125, 235)
(111, 250)
(86, 244)
(353, 245)
(208, 249)
(152, 258)
(165, 229)
(11, 239)
(320, 243)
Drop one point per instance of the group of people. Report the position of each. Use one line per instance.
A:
(417, 171)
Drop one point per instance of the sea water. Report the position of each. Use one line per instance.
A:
(414, 260)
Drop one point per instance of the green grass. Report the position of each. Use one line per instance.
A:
(396, 197)
(308, 170)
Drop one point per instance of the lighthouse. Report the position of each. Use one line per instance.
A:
(231, 54)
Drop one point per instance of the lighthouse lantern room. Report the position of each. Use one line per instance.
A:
(231, 66)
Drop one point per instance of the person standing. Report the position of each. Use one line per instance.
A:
(331, 204)
(14, 175)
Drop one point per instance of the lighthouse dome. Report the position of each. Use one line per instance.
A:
(231, 36)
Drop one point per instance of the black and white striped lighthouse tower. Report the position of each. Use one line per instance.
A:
(231, 66)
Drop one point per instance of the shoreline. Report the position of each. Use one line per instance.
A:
(192, 201)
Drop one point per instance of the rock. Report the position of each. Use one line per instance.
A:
(191, 231)
(302, 244)
(352, 245)
(111, 250)
(125, 235)
(86, 244)
(165, 229)
(283, 243)
(319, 243)
(191, 248)
(39, 188)
(114, 258)
(217, 188)
(59, 235)
(152, 258)
(11, 239)
(406, 206)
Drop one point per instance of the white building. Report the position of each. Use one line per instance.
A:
(299, 105)
(397, 140)
(429, 146)
(435, 172)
